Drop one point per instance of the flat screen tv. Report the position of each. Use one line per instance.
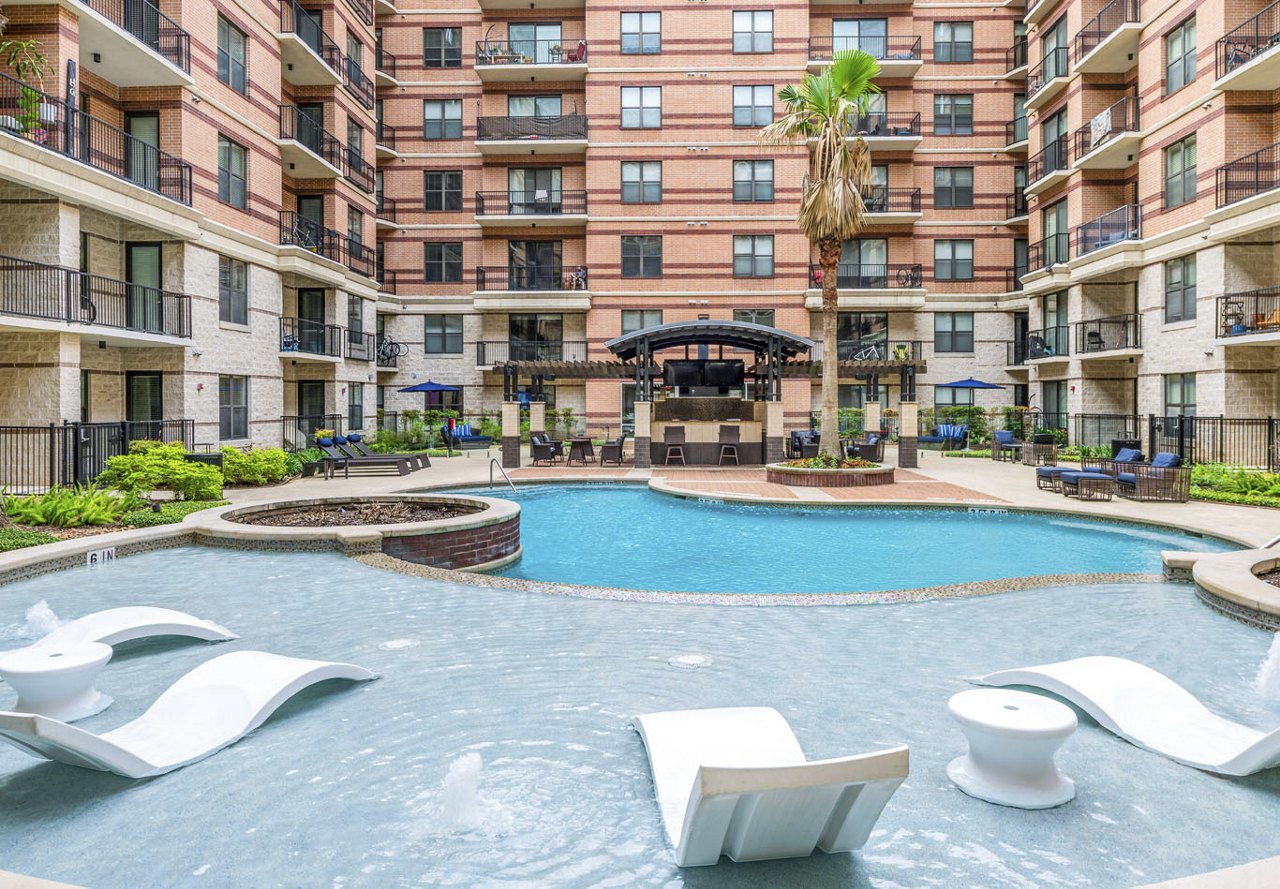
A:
(723, 374)
(685, 374)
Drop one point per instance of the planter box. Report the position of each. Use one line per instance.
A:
(829, 478)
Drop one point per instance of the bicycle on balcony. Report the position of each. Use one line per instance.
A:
(389, 350)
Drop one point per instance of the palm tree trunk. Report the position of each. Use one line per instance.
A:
(829, 260)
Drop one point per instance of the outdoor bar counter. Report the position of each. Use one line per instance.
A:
(702, 419)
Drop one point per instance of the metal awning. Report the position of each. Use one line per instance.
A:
(758, 338)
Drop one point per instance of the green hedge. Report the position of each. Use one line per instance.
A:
(150, 466)
(261, 467)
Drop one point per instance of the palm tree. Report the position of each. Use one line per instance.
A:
(824, 110)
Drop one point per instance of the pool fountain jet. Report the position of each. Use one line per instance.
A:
(461, 809)
(1267, 683)
(41, 621)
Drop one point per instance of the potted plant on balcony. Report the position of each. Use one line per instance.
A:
(26, 61)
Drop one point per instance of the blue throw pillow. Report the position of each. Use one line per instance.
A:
(1127, 478)
(1128, 455)
(353, 436)
(340, 439)
(1004, 436)
(325, 442)
(1166, 460)
(872, 438)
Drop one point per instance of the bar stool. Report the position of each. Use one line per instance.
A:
(673, 438)
(729, 437)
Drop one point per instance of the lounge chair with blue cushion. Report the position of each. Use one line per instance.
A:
(353, 445)
(1164, 478)
(462, 438)
(330, 448)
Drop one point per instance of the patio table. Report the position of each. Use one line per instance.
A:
(582, 450)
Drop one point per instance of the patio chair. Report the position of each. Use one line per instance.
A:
(1124, 458)
(673, 438)
(1163, 479)
(1041, 451)
(871, 450)
(729, 438)
(331, 450)
(545, 450)
(611, 451)
(1003, 442)
(577, 55)
(734, 781)
(354, 443)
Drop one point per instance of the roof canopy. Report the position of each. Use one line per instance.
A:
(739, 334)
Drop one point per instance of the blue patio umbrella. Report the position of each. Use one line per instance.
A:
(431, 386)
(969, 383)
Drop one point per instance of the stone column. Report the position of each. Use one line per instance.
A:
(511, 435)
(908, 421)
(644, 429)
(871, 418)
(537, 417)
(773, 434)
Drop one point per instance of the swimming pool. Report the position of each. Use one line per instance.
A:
(342, 788)
(628, 536)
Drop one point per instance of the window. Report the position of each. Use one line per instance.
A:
(642, 256)
(864, 332)
(953, 332)
(752, 106)
(233, 291)
(1054, 50)
(953, 41)
(355, 405)
(1180, 56)
(534, 106)
(945, 396)
(1179, 395)
(641, 33)
(754, 316)
(953, 188)
(869, 35)
(1180, 289)
(641, 107)
(953, 260)
(442, 119)
(232, 161)
(442, 334)
(442, 47)
(639, 319)
(953, 114)
(642, 182)
(355, 226)
(233, 407)
(752, 31)
(1180, 172)
(355, 315)
(854, 395)
(753, 256)
(232, 48)
(864, 262)
(443, 190)
(1054, 396)
(355, 141)
(753, 181)
(443, 262)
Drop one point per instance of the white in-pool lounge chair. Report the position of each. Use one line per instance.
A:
(213, 706)
(1151, 711)
(734, 781)
(117, 625)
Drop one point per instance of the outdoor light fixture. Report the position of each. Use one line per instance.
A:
(97, 58)
(102, 344)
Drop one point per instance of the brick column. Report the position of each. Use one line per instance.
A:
(511, 435)
(773, 435)
(644, 416)
(871, 417)
(908, 422)
(537, 417)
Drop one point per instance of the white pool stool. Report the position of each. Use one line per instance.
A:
(57, 681)
(1012, 738)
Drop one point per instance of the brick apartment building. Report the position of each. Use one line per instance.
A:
(1076, 201)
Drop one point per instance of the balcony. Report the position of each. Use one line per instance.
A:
(1015, 355)
(308, 56)
(41, 292)
(1013, 278)
(45, 121)
(890, 131)
(1118, 225)
(532, 135)
(1117, 336)
(528, 208)
(387, 139)
(363, 10)
(898, 56)
(359, 172)
(132, 43)
(1049, 166)
(1108, 43)
(300, 231)
(489, 352)
(384, 68)
(1110, 141)
(1251, 175)
(1247, 58)
(385, 7)
(1249, 317)
(1015, 60)
(307, 149)
(302, 339)
(525, 61)
(551, 278)
(881, 286)
(1015, 135)
(361, 346)
(1015, 206)
(358, 257)
(892, 206)
(1039, 10)
(1048, 78)
(389, 352)
(1048, 252)
(530, 288)
(389, 210)
(1049, 345)
(871, 350)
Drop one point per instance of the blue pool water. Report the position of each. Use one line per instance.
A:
(343, 787)
(628, 536)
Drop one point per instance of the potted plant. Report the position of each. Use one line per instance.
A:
(26, 61)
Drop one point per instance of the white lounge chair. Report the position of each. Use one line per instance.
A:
(117, 625)
(1151, 711)
(213, 706)
(734, 781)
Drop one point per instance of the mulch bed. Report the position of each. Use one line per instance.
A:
(353, 514)
(1271, 577)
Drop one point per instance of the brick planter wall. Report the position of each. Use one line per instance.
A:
(830, 478)
(464, 548)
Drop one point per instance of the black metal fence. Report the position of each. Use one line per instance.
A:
(547, 51)
(36, 458)
(535, 202)
(883, 123)
(310, 337)
(1054, 157)
(1109, 334)
(296, 20)
(1241, 441)
(1249, 311)
(1252, 38)
(386, 135)
(898, 49)
(571, 126)
(883, 199)
(1015, 131)
(501, 351)
(1054, 65)
(150, 26)
(1121, 224)
(530, 278)
(1122, 117)
(1252, 174)
(298, 432)
(878, 276)
(1104, 24)
(1048, 252)
(1015, 57)
(298, 125)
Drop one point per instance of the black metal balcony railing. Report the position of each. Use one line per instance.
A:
(882, 199)
(358, 83)
(530, 52)
(385, 62)
(502, 351)
(1121, 224)
(36, 290)
(43, 120)
(1052, 342)
(903, 48)
(310, 337)
(516, 277)
(391, 208)
(385, 135)
(1249, 311)
(872, 350)
(1104, 24)
(363, 9)
(861, 276)
(1013, 278)
(301, 127)
(1015, 205)
(884, 123)
(360, 258)
(1122, 117)
(1048, 252)
(1109, 334)
(571, 126)
(1015, 131)
(530, 203)
(1053, 158)
(360, 345)
(1015, 57)
(295, 20)
(1250, 175)
(1015, 354)
(299, 231)
(297, 432)
(358, 170)
(1054, 64)
(1252, 38)
(150, 26)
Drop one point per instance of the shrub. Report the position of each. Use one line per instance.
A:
(830, 461)
(168, 514)
(19, 538)
(68, 507)
(162, 467)
(261, 467)
(293, 462)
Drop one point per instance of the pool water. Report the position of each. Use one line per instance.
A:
(343, 787)
(628, 536)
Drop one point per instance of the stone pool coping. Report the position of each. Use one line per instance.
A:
(1228, 583)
